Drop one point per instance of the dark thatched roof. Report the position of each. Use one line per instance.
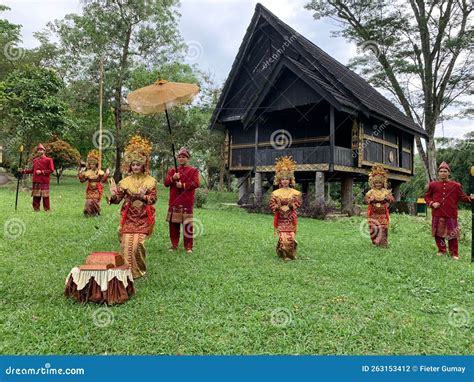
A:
(339, 85)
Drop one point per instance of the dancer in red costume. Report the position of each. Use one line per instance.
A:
(43, 167)
(443, 197)
(180, 211)
(378, 198)
(138, 193)
(94, 177)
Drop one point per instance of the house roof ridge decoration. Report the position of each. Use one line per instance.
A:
(345, 86)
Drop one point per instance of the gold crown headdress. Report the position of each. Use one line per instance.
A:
(93, 156)
(285, 168)
(378, 174)
(137, 150)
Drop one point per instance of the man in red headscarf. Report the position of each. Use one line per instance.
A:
(43, 167)
(443, 197)
(180, 211)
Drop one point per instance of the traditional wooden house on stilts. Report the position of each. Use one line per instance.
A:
(285, 96)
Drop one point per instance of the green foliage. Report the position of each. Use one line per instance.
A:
(459, 153)
(342, 296)
(416, 187)
(9, 40)
(63, 154)
(425, 42)
(200, 197)
(32, 110)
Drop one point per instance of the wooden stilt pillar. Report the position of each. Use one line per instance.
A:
(396, 190)
(258, 187)
(347, 195)
(244, 190)
(319, 185)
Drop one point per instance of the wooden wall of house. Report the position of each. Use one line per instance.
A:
(305, 125)
(383, 143)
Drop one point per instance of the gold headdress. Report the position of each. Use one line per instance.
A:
(138, 150)
(285, 168)
(378, 174)
(93, 156)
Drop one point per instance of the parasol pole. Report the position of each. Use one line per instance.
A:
(100, 111)
(472, 215)
(172, 141)
(19, 178)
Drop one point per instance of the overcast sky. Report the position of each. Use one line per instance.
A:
(213, 30)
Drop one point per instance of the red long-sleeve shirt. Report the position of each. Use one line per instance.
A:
(189, 178)
(448, 193)
(45, 165)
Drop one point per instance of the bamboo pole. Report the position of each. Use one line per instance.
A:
(100, 110)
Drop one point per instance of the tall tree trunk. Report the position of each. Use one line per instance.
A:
(431, 160)
(208, 175)
(229, 180)
(118, 127)
(118, 105)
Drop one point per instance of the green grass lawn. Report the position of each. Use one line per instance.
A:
(233, 295)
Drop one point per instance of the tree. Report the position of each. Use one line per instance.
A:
(124, 34)
(30, 109)
(63, 154)
(418, 51)
(459, 153)
(10, 53)
(189, 123)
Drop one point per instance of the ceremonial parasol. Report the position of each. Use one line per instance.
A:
(159, 97)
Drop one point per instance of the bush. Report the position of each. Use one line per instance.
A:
(318, 209)
(200, 197)
(310, 207)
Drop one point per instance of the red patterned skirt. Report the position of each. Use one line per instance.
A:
(445, 227)
(40, 189)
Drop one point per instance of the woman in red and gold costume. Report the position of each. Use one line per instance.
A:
(378, 198)
(138, 190)
(284, 203)
(94, 177)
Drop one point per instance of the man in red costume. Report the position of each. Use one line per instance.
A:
(182, 185)
(43, 167)
(443, 197)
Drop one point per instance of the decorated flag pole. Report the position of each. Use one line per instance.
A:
(472, 215)
(19, 178)
(100, 110)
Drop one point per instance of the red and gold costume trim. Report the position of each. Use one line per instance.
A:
(379, 200)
